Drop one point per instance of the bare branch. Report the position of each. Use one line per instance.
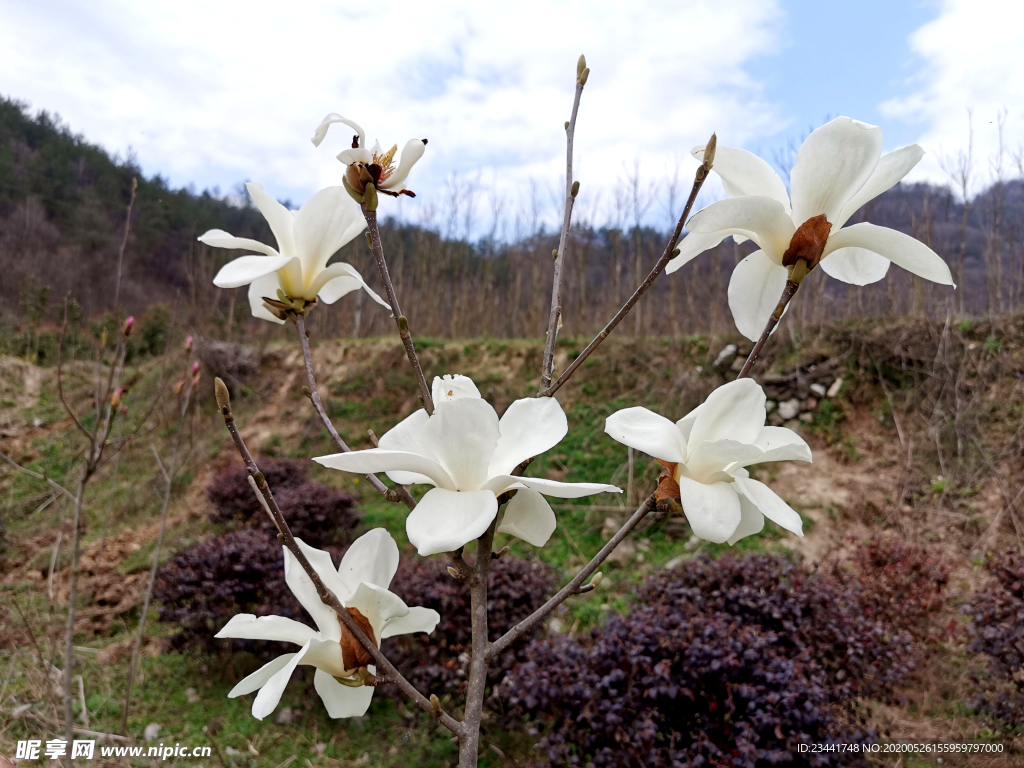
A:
(666, 257)
(390, 673)
(469, 742)
(571, 190)
(399, 492)
(575, 586)
(787, 295)
(403, 322)
(48, 480)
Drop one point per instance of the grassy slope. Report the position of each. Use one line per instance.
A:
(366, 385)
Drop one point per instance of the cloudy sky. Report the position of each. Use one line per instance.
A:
(215, 92)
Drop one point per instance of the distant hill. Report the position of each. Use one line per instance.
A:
(62, 206)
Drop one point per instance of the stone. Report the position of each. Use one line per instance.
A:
(810, 403)
(789, 409)
(556, 625)
(738, 363)
(232, 752)
(834, 389)
(693, 544)
(191, 696)
(676, 561)
(152, 732)
(38, 423)
(623, 553)
(727, 352)
(610, 528)
(283, 716)
(807, 417)
(774, 419)
(818, 389)
(770, 405)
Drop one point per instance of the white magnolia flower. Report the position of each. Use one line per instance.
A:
(360, 583)
(306, 239)
(707, 451)
(376, 164)
(468, 455)
(839, 168)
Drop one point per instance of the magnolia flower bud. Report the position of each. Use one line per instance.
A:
(115, 399)
(709, 152)
(584, 75)
(179, 387)
(195, 368)
(128, 325)
(188, 344)
(220, 391)
(575, 189)
(580, 66)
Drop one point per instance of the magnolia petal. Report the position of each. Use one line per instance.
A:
(463, 434)
(832, 166)
(331, 119)
(259, 678)
(270, 694)
(445, 520)
(751, 521)
(452, 386)
(245, 269)
(891, 167)
(708, 461)
(411, 153)
(692, 246)
(378, 605)
(902, 250)
(735, 411)
(408, 436)
(755, 288)
(743, 174)
(528, 428)
(306, 592)
(781, 444)
(529, 517)
(350, 156)
(855, 266)
(373, 558)
(648, 432)
(218, 238)
(566, 490)
(325, 223)
(762, 219)
(245, 626)
(340, 278)
(418, 619)
(261, 288)
(280, 219)
(342, 700)
(713, 511)
(771, 506)
(381, 460)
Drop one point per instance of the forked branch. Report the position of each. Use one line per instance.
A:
(659, 267)
(266, 498)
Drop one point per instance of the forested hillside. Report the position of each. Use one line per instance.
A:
(62, 211)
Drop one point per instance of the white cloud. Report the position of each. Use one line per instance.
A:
(217, 92)
(972, 58)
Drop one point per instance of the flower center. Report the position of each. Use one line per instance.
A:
(808, 242)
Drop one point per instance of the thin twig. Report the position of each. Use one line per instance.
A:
(571, 190)
(403, 322)
(266, 496)
(48, 480)
(469, 742)
(666, 257)
(574, 586)
(399, 492)
(787, 295)
(168, 474)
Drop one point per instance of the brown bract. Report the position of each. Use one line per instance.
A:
(668, 488)
(353, 654)
(808, 242)
(377, 172)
